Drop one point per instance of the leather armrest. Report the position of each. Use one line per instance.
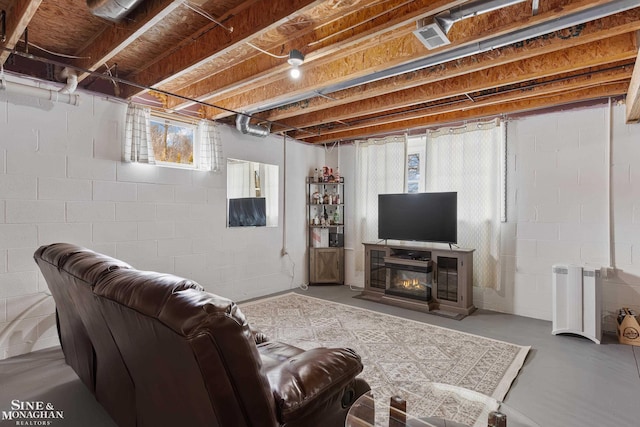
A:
(303, 383)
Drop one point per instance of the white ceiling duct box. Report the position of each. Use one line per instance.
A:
(430, 34)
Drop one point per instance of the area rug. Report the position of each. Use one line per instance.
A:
(400, 356)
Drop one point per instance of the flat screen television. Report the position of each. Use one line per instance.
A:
(248, 212)
(425, 217)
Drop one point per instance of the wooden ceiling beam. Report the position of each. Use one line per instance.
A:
(319, 45)
(525, 105)
(618, 48)
(389, 52)
(18, 17)
(621, 23)
(116, 38)
(479, 100)
(248, 23)
(633, 95)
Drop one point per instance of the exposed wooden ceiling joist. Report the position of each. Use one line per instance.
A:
(320, 43)
(633, 95)
(115, 38)
(602, 91)
(587, 55)
(246, 24)
(19, 15)
(365, 73)
(535, 89)
(621, 23)
(398, 48)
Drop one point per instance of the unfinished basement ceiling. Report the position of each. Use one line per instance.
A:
(365, 72)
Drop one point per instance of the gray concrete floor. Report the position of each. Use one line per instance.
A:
(566, 381)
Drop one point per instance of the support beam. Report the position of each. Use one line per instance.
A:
(527, 105)
(18, 18)
(633, 95)
(480, 100)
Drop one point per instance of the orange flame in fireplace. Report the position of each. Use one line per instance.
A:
(411, 284)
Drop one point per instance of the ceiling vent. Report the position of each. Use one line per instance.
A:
(430, 34)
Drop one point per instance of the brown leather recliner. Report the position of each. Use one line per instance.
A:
(157, 350)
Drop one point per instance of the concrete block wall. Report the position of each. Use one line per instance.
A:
(61, 180)
(558, 209)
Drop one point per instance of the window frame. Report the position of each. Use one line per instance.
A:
(159, 118)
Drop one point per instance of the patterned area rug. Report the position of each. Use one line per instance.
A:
(400, 356)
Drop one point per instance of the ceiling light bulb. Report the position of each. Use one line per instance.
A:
(295, 72)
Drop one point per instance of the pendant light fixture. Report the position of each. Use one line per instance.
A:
(296, 58)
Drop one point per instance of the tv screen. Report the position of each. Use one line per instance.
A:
(426, 217)
(248, 212)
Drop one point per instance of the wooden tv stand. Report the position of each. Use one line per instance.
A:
(451, 280)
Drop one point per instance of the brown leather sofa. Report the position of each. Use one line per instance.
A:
(157, 350)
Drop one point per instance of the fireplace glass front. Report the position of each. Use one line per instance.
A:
(409, 281)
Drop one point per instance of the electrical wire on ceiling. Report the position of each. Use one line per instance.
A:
(141, 86)
(230, 29)
(204, 13)
(62, 55)
(267, 53)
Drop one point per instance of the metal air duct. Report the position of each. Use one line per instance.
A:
(446, 19)
(113, 10)
(242, 124)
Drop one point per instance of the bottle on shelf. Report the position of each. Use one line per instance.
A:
(336, 216)
(325, 215)
(315, 175)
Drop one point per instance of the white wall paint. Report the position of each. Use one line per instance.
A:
(61, 180)
(558, 179)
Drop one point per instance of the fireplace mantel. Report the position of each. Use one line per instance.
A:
(450, 286)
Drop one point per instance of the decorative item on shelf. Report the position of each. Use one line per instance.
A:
(336, 175)
(316, 220)
(316, 198)
(316, 175)
(325, 198)
(336, 199)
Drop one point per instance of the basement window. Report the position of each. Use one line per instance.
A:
(173, 141)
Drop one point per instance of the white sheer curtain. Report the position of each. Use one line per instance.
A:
(470, 160)
(380, 169)
(210, 146)
(239, 177)
(270, 185)
(137, 142)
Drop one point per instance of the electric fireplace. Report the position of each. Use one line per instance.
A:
(409, 278)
